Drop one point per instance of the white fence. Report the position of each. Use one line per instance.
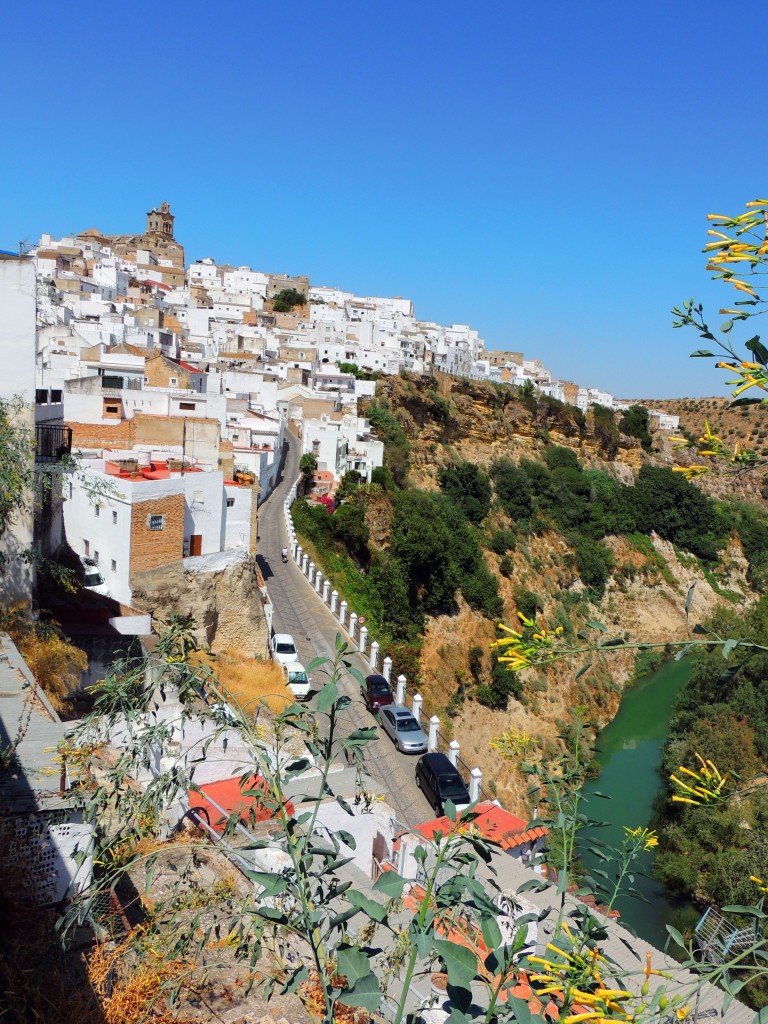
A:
(356, 630)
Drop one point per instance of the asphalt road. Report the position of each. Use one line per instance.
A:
(299, 611)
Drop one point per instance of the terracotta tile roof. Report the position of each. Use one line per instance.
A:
(494, 822)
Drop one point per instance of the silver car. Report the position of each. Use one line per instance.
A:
(403, 729)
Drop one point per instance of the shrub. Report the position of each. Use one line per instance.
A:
(502, 541)
(527, 602)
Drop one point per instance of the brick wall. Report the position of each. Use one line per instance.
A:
(103, 435)
(151, 548)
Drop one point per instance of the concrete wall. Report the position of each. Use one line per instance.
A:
(18, 313)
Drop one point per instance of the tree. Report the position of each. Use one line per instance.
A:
(308, 467)
(634, 421)
(286, 299)
(468, 487)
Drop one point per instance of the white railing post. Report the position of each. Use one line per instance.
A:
(363, 639)
(311, 572)
(318, 581)
(453, 752)
(434, 732)
(386, 668)
(299, 554)
(326, 590)
(305, 564)
(352, 624)
(418, 700)
(343, 613)
(400, 692)
(334, 601)
(374, 658)
(294, 547)
(475, 781)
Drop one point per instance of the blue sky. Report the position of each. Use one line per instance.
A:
(540, 171)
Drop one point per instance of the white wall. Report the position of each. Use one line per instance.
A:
(18, 311)
(107, 528)
(237, 525)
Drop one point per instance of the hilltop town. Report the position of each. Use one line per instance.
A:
(180, 381)
(183, 409)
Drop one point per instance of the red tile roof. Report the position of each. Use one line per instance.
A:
(233, 795)
(494, 823)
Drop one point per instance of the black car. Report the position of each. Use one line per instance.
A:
(376, 693)
(440, 781)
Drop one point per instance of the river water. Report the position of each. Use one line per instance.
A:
(629, 756)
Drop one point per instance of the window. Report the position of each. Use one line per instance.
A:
(114, 565)
(187, 405)
(96, 511)
(96, 557)
(41, 396)
(113, 410)
(87, 547)
(114, 517)
(173, 381)
(56, 397)
(156, 522)
(230, 502)
(70, 488)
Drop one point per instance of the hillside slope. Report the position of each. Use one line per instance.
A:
(543, 561)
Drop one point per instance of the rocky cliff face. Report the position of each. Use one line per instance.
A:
(227, 604)
(644, 600)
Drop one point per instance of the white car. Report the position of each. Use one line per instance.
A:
(284, 649)
(92, 578)
(298, 680)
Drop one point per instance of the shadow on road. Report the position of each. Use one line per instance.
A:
(264, 567)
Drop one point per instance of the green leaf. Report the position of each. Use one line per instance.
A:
(343, 917)
(729, 646)
(676, 936)
(370, 907)
(702, 353)
(726, 326)
(390, 883)
(759, 350)
(689, 598)
(316, 663)
(700, 630)
(491, 932)
(352, 963)
(583, 669)
(749, 911)
(327, 697)
(460, 962)
(365, 992)
(271, 884)
(597, 625)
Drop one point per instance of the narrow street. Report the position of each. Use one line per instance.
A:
(299, 611)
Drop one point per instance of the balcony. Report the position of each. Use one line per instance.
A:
(53, 442)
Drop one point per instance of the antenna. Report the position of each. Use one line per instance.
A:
(25, 246)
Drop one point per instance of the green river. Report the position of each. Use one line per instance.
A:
(629, 755)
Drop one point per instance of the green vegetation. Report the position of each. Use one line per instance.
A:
(308, 465)
(397, 448)
(634, 421)
(358, 373)
(287, 299)
(434, 553)
(468, 487)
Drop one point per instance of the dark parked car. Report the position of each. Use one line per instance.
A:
(376, 693)
(439, 781)
(403, 729)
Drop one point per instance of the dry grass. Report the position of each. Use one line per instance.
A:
(134, 995)
(56, 664)
(250, 682)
